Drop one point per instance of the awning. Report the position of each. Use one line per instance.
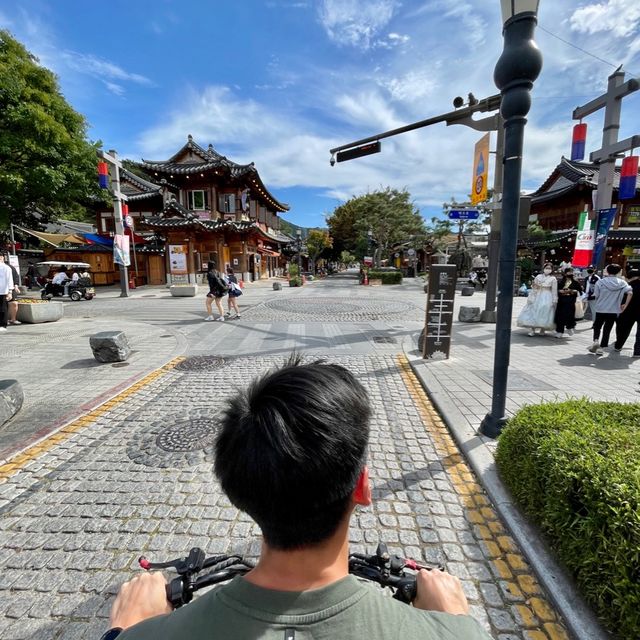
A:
(268, 252)
(54, 238)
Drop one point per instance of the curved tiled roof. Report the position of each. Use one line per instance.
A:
(211, 160)
(137, 188)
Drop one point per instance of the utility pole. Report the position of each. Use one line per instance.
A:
(114, 169)
(605, 157)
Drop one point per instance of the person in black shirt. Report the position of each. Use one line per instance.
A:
(568, 290)
(629, 317)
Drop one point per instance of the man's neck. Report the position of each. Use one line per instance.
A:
(303, 569)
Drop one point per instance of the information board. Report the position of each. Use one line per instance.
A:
(439, 319)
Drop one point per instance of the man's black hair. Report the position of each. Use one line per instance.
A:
(291, 448)
(613, 269)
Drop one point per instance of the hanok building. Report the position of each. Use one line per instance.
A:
(568, 191)
(214, 210)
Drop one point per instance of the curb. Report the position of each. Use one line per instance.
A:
(577, 615)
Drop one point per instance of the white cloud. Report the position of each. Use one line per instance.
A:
(620, 17)
(116, 89)
(356, 22)
(100, 69)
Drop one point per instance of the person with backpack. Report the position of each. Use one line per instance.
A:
(630, 316)
(218, 288)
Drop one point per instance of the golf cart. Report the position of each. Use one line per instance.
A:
(76, 289)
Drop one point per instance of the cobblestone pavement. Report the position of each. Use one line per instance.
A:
(134, 476)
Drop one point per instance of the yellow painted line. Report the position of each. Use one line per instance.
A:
(533, 612)
(23, 458)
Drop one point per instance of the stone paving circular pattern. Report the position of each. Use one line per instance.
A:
(323, 308)
(176, 441)
(200, 363)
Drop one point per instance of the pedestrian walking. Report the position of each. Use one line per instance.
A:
(589, 298)
(32, 276)
(630, 316)
(13, 303)
(6, 287)
(539, 312)
(217, 290)
(568, 291)
(609, 292)
(234, 292)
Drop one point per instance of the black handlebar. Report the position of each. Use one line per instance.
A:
(386, 570)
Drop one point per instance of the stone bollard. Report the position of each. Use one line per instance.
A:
(277, 286)
(11, 399)
(469, 314)
(467, 291)
(110, 346)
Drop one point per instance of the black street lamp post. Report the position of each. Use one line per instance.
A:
(514, 74)
(299, 246)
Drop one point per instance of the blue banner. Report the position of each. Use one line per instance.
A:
(605, 220)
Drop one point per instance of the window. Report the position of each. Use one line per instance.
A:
(227, 203)
(198, 200)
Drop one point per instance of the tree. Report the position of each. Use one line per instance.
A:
(347, 258)
(317, 241)
(388, 214)
(47, 167)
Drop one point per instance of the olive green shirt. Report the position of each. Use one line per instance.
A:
(345, 609)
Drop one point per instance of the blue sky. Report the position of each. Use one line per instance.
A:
(279, 82)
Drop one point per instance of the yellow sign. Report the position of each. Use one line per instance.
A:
(480, 170)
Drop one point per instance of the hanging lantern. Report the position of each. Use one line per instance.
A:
(628, 177)
(103, 175)
(579, 141)
(125, 209)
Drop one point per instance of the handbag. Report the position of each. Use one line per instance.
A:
(579, 309)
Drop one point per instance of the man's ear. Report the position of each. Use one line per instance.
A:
(362, 492)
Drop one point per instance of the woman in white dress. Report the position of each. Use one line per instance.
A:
(538, 314)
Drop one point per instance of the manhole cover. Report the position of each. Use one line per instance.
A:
(200, 363)
(120, 364)
(517, 381)
(187, 436)
(384, 340)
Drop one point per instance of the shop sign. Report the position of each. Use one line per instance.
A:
(633, 216)
(439, 320)
(178, 259)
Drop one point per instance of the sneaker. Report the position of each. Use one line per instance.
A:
(594, 347)
(208, 319)
(599, 351)
(3, 328)
(557, 334)
(220, 319)
(15, 322)
(531, 333)
(237, 315)
(569, 332)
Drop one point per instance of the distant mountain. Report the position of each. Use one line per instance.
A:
(290, 229)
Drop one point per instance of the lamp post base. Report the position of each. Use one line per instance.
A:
(492, 426)
(488, 316)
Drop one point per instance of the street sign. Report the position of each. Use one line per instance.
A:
(368, 261)
(464, 214)
(358, 152)
(439, 319)
(411, 252)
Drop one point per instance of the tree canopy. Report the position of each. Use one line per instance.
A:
(388, 214)
(47, 166)
(317, 241)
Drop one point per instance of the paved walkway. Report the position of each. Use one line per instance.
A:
(135, 477)
(133, 474)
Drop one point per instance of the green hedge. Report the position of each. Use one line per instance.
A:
(574, 468)
(387, 277)
(295, 281)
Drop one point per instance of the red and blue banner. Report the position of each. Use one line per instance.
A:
(579, 141)
(103, 175)
(605, 220)
(585, 241)
(628, 178)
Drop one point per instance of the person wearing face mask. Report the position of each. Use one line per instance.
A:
(589, 297)
(539, 312)
(568, 291)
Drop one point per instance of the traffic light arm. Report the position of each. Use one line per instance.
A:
(492, 103)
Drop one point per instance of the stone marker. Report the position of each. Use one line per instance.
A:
(469, 314)
(277, 286)
(110, 346)
(467, 291)
(11, 399)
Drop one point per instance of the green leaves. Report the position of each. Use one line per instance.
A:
(46, 164)
(574, 468)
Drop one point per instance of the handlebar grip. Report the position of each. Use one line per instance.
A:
(406, 589)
